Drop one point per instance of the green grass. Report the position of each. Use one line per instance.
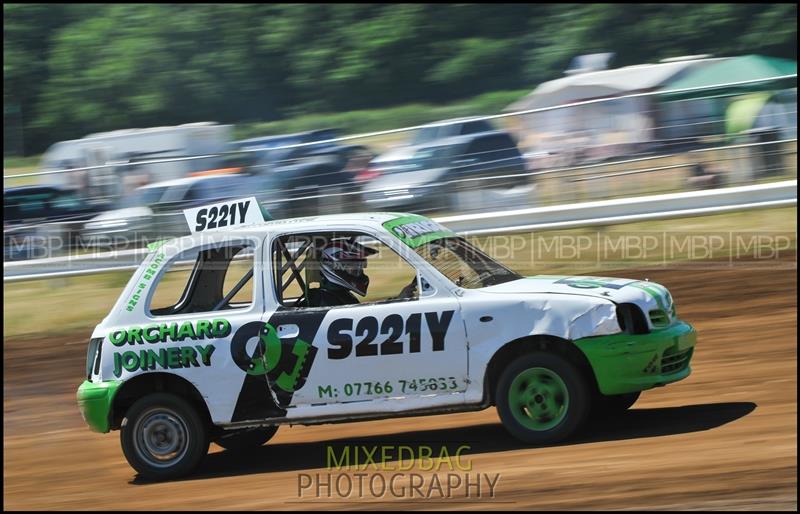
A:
(21, 166)
(78, 303)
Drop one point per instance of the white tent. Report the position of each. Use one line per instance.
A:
(605, 83)
(619, 121)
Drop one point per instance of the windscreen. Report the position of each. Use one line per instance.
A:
(452, 255)
(464, 264)
(426, 135)
(143, 197)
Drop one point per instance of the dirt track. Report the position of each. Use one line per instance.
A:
(725, 438)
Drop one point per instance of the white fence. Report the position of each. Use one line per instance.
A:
(694, 203)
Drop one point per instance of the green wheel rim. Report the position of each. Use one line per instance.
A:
(538, 399)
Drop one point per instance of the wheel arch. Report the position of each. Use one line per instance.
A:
(527, 344)
(147, 383)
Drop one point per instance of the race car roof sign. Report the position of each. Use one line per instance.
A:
(415, 230)
(227, 214)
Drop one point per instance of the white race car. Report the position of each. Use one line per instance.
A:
(224, 335)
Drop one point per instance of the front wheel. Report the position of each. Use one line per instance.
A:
(542, 398)
(163, 437)
(246, 439)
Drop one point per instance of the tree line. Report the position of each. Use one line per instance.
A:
(73, 69)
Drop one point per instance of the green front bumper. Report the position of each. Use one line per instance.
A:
(624, 363)
(95, 400)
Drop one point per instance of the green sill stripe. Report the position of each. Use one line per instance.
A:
(415, 230)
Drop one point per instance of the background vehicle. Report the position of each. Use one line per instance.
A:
(294, 174)
(41, 211)
(419, 177)
(155, 211)
(130, 145)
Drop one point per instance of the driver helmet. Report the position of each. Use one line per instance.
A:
(343, 263)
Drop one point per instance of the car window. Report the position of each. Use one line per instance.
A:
(474, 127)
(426, 135)
(31, 205)
(464, 264)
(66, 202)
(300, 281)
(143, 197)
(493, 148)
(199, 191)
(217, 188)
(205, 279)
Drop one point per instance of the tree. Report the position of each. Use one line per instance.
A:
(74, 69)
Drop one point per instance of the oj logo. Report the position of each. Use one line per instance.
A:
(285, 364)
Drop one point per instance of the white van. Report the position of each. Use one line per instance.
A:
(120, 147)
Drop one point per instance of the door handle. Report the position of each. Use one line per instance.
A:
(288, 331)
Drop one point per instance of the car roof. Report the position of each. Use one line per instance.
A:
(186, 180)
(453, 121)
(323, 222)
(32, 189)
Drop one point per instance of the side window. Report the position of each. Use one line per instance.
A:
(505, 143)
(388, 273)
(474, 154)
(34, 205)
(65, 202)
(474, 127)
(483, 149)
(206, 280)
(361, 270)
(496, 148)
(198, 191)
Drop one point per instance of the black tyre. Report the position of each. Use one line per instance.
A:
(542, 398)
(163, 437)
(614, 404)
(247, 439)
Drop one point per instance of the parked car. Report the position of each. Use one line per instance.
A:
(154, 211)
(306, 180)
(34, 213)
(440, 161)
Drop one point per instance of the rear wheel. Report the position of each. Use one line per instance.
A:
(542, 398)
(163, 437)
(237, 440)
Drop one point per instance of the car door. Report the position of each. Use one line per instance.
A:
(384, 348)
(199, 302)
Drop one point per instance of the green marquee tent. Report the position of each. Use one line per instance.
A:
(715, 79)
